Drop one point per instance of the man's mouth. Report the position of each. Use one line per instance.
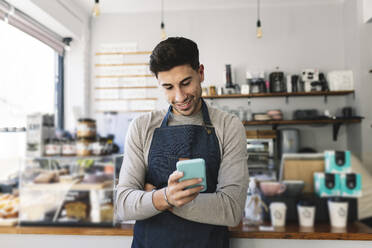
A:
(184, 106)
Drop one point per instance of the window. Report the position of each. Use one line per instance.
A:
(27, 76)
(27, 85)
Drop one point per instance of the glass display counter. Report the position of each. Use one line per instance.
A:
(68, 191)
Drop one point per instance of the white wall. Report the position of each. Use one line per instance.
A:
(296, 36)
(77, 80)
(358, 53)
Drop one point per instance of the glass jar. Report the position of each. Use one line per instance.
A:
(86, 128)
(84, 147)
(99, 146)
(53, 147)
(69, 147)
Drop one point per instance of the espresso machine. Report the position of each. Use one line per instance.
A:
(277, 82)
(257, 85)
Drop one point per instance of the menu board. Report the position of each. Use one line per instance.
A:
(122, 79)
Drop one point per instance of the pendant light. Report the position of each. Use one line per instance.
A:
(259, 28)
(96, 10)
(162, 26)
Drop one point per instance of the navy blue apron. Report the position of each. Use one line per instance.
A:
(170, 143)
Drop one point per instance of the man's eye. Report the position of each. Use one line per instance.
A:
(186, 83)
(168, 87)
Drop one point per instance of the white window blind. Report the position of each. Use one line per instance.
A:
(30, 26)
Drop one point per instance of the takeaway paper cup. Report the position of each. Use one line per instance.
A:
(306, 215)
(338, 211)
(278, 213)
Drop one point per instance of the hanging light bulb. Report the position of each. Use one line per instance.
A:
(259, 28)
(163, 34)
(162, 26)
(96, 10)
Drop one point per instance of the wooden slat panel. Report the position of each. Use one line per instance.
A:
(125, 64)
(124, 87)
(130, 111)
(123, 76)
(127, 99)
(123, 53)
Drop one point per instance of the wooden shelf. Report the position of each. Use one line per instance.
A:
(125, 87)
(124, 76)
(284, 94)
(336, 123)
(123, 53)
(301, 122)
(125, 64)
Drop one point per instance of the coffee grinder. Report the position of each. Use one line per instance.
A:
(231, 88)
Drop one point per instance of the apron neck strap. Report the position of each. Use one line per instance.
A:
(204, 109)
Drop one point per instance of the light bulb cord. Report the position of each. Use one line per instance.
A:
(162, 25)
(162, 12)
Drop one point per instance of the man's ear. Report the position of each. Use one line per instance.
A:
(201, 72)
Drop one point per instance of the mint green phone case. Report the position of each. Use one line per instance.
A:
(193, 168)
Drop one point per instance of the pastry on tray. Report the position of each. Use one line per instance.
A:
(9, 205)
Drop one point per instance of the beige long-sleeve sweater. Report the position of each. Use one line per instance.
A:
(224, 207)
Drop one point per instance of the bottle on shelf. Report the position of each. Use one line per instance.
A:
(253, 211)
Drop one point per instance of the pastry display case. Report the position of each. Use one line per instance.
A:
(68, 191)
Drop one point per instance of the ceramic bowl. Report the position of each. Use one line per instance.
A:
(272, 188)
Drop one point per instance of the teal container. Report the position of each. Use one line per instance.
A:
(337, 161)
(351, 185)
(327, 184)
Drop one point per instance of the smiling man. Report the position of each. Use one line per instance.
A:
(167, 212)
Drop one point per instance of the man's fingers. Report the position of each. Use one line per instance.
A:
(177, 193)
(174, 177)
(185, 200)
(187, 193)
(190, 182)
(149, 187)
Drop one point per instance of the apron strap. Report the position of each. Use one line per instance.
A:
(205, 113)
(164, 123)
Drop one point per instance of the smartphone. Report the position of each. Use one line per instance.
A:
(193, 168)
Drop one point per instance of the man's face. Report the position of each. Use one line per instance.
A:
(181, 86)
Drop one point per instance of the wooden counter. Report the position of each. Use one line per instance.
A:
(354, 231)
(322, 231)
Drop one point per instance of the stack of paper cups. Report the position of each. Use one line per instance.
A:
(278, 213)
(338, 210)
(306, 213)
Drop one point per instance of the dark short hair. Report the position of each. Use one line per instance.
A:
(172, 52)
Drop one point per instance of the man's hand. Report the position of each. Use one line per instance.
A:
(149, 187)
(177, 194)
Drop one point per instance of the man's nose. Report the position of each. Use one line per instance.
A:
(180, 95)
